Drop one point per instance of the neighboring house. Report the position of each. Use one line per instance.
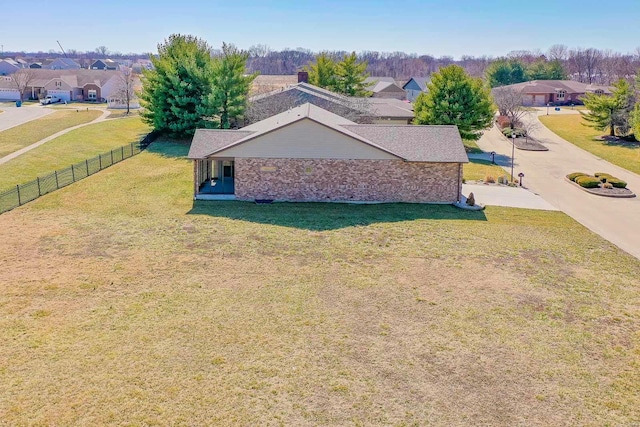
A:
(415, 86)
(8, 91)
(62, 64)
(385, 87)
(68, 85)
(105, 64)
(361, 110)
(556, 92)
(310, 154)
(8, 66)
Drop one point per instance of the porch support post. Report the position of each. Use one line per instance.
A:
(196, 184)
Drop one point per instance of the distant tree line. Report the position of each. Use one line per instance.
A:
(589, 65)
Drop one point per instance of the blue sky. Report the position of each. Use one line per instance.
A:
(435, 27)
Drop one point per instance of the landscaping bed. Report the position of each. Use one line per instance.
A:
(522, 142)
(600, 184)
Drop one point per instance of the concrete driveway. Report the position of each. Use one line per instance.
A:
(512, 197)
(617, 220)
(13, 116)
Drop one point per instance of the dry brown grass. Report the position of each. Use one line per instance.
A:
(125, 304)
(18, 137)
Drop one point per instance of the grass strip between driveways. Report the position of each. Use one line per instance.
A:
(18, 137)
(478, 169)
(126, 302)
(571, 128)
(72, 147)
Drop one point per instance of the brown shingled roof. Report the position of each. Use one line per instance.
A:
(439, 144)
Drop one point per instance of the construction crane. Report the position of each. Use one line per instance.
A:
(65, 53)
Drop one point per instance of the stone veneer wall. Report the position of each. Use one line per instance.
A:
(344, 180)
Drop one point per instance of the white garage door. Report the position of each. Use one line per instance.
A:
(527, 100)
(9, 95)
(64, 95)
(539, 100)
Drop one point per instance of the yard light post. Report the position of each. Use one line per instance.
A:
(513, 151)
(493, 157)
(548, 108)
(520, 175)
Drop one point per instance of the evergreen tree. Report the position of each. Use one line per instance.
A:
(350, 76)
(179, 82)
(323, 72)
(636, 122)
(455, 98)
(227, 102)
(505, 72)
(610, 112)
(543, 70)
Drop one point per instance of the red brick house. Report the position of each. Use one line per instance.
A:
(310, 154)
(556, 92)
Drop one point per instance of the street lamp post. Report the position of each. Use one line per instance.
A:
(513, 151)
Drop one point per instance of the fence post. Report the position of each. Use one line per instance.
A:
(100, 160)
(122, 152)
(111, 156)
(57, 185)
(73, 174)
(86, 162)
(38, 181)
(19, 201)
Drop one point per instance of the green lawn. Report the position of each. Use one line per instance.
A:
(125, 303)
(478, 169)
(70, 148)
(18, 137)
(471, 146)
(571, 128)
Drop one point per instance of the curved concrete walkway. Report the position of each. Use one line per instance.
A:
(614, 219)
(5, 159)
(14, 116)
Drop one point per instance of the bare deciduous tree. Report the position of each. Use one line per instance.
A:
(509, 103)
(102, 50)
(558, 52)
(125, 88)
(22, 79)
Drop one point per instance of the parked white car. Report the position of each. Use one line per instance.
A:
(49, 99)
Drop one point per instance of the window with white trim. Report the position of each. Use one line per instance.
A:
(560, 95)
(92, 94)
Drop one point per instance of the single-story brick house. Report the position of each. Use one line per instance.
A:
(556, 92)
(310, 154)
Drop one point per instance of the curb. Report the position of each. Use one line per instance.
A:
(615, 196)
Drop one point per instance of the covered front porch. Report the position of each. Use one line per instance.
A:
(214, 179)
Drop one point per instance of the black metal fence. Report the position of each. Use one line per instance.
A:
(24, 193)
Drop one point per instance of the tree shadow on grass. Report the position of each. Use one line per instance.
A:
(169, 147)
(330, 216)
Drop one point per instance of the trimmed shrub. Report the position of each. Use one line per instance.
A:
(519, 132)
(489, 179)
(618, 183)
(607, 185)
(574, 175)
(603, 177)
(587, 181)
(503, 122)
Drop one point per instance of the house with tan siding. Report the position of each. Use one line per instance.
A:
(310, 154)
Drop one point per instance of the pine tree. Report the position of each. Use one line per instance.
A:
(351, 76)
(323, 72)
(505, 72)
(179, 82)
(455, 98)
(610, 112)
(227, 102)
